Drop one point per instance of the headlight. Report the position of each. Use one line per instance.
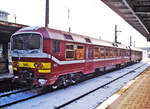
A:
(36, 65)
(15, 64)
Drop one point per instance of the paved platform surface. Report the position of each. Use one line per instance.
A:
(136, 96)
(7, 75)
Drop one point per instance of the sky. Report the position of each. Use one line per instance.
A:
(87, 17)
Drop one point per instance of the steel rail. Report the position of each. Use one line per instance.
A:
(79, 97)
(33, 95)
(13, 92)
(22, 98)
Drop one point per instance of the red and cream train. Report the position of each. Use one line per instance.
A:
(48, 57)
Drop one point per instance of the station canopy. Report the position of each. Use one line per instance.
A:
(7, 29)
(135, 12)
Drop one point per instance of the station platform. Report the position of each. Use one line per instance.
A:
(6, 75)
(134, 95)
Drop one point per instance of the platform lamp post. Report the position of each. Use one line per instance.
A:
(47, 13)
(116, 31)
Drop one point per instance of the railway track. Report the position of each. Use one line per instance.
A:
(16, 97)
(102, 86)
(13, 92)
(26, 94)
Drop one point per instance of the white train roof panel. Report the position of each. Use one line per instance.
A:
(57, 36)
(100, 42)
(60, 35)
(136, 49)
(78, 39)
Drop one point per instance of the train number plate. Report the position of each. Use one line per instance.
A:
(25, 64)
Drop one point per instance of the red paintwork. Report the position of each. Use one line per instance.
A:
(56, 69)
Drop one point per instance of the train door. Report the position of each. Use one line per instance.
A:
(89, 68)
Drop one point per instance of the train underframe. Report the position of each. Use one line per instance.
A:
(28, 77)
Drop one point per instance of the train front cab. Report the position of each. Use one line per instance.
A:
(28, 59)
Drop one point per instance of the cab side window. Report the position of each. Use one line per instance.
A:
(107, 52)
(111, 52)
(56, 46)
(80, 52)
(102, 53)
(91, 53)
(115, 53)
(96, 52)
(69, 51)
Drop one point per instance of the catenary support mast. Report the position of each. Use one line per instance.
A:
(47, 14)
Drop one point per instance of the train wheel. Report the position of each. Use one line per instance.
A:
(76, 77)
(63, 81)
(54, 86)
(66, 80)
(118, 66)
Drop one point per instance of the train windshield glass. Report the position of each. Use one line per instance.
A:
(26, 41)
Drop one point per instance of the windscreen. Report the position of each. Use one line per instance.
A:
(26, 41)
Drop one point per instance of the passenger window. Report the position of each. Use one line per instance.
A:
(127, 53)
(124, 53)
(69, 51)
(56, 46)
(115, 53)
(80, 52)
(111, 52)
(91, 52)
(102, 52)
(118, 51)
(87, 53)
(107, 52)
(96, 52)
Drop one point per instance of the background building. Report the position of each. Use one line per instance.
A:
(146, 51)
(6, 30)
(4, 15)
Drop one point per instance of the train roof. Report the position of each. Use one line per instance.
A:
(136, 49)
(72, 37)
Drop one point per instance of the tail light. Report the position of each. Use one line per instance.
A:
(40, 65)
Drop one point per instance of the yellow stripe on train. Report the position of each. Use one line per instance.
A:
(31, 65)
(44, 71)
(46, 65)
(26, 64)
